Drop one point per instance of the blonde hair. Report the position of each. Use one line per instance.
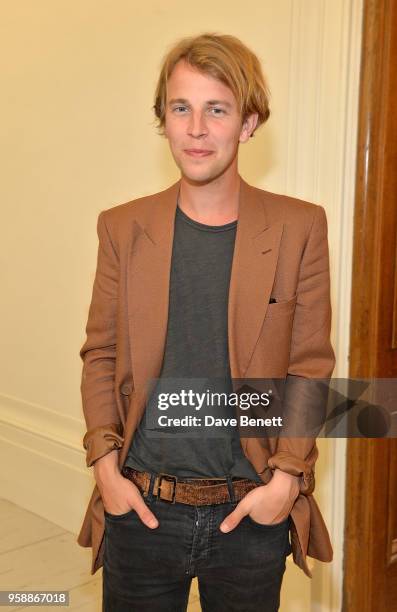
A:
(225, 58)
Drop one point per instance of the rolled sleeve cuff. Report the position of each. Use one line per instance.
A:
(291, 464)
(102, 440)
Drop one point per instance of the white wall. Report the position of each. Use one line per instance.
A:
(78, 137)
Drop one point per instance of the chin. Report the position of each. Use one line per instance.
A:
(196, 178)
(201, 176)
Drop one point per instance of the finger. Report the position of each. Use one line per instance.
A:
(145, 514)
(232, 520)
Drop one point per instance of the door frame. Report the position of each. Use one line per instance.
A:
(366, 492)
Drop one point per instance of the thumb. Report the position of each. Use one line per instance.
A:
(145, 514)
(232, 520)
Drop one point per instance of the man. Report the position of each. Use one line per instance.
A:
(210, 279)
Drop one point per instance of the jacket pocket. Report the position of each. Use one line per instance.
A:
(279, 309)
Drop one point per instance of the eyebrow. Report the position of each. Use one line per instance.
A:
(209, 102)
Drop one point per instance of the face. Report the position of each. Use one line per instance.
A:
(203, 124)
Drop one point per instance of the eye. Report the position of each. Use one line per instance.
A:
(219, 111)
(177, 108)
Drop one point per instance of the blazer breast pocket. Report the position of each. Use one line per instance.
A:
(280, 308)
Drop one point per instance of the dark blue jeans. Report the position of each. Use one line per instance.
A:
(150, 570)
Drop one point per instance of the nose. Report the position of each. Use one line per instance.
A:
(197, 125)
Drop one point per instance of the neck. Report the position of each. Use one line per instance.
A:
(213, 203)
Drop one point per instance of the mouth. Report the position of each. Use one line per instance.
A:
(198, 152)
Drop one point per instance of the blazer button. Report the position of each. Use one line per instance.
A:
(126, 389)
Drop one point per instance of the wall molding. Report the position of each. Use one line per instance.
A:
(44, 449)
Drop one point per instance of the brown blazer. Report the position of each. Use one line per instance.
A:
(281, 250)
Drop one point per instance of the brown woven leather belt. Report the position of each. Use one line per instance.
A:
(195, 492)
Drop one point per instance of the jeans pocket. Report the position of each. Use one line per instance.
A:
(268, 526)
(117, 517)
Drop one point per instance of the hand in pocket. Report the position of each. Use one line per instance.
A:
(120, 495)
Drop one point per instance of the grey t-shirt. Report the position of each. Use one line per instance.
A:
(196, 348)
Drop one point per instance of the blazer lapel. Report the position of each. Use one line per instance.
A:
(253, 269)
(148, 272)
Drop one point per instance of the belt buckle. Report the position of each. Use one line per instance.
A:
(168, 478)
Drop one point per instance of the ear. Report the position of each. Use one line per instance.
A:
(249, 124)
